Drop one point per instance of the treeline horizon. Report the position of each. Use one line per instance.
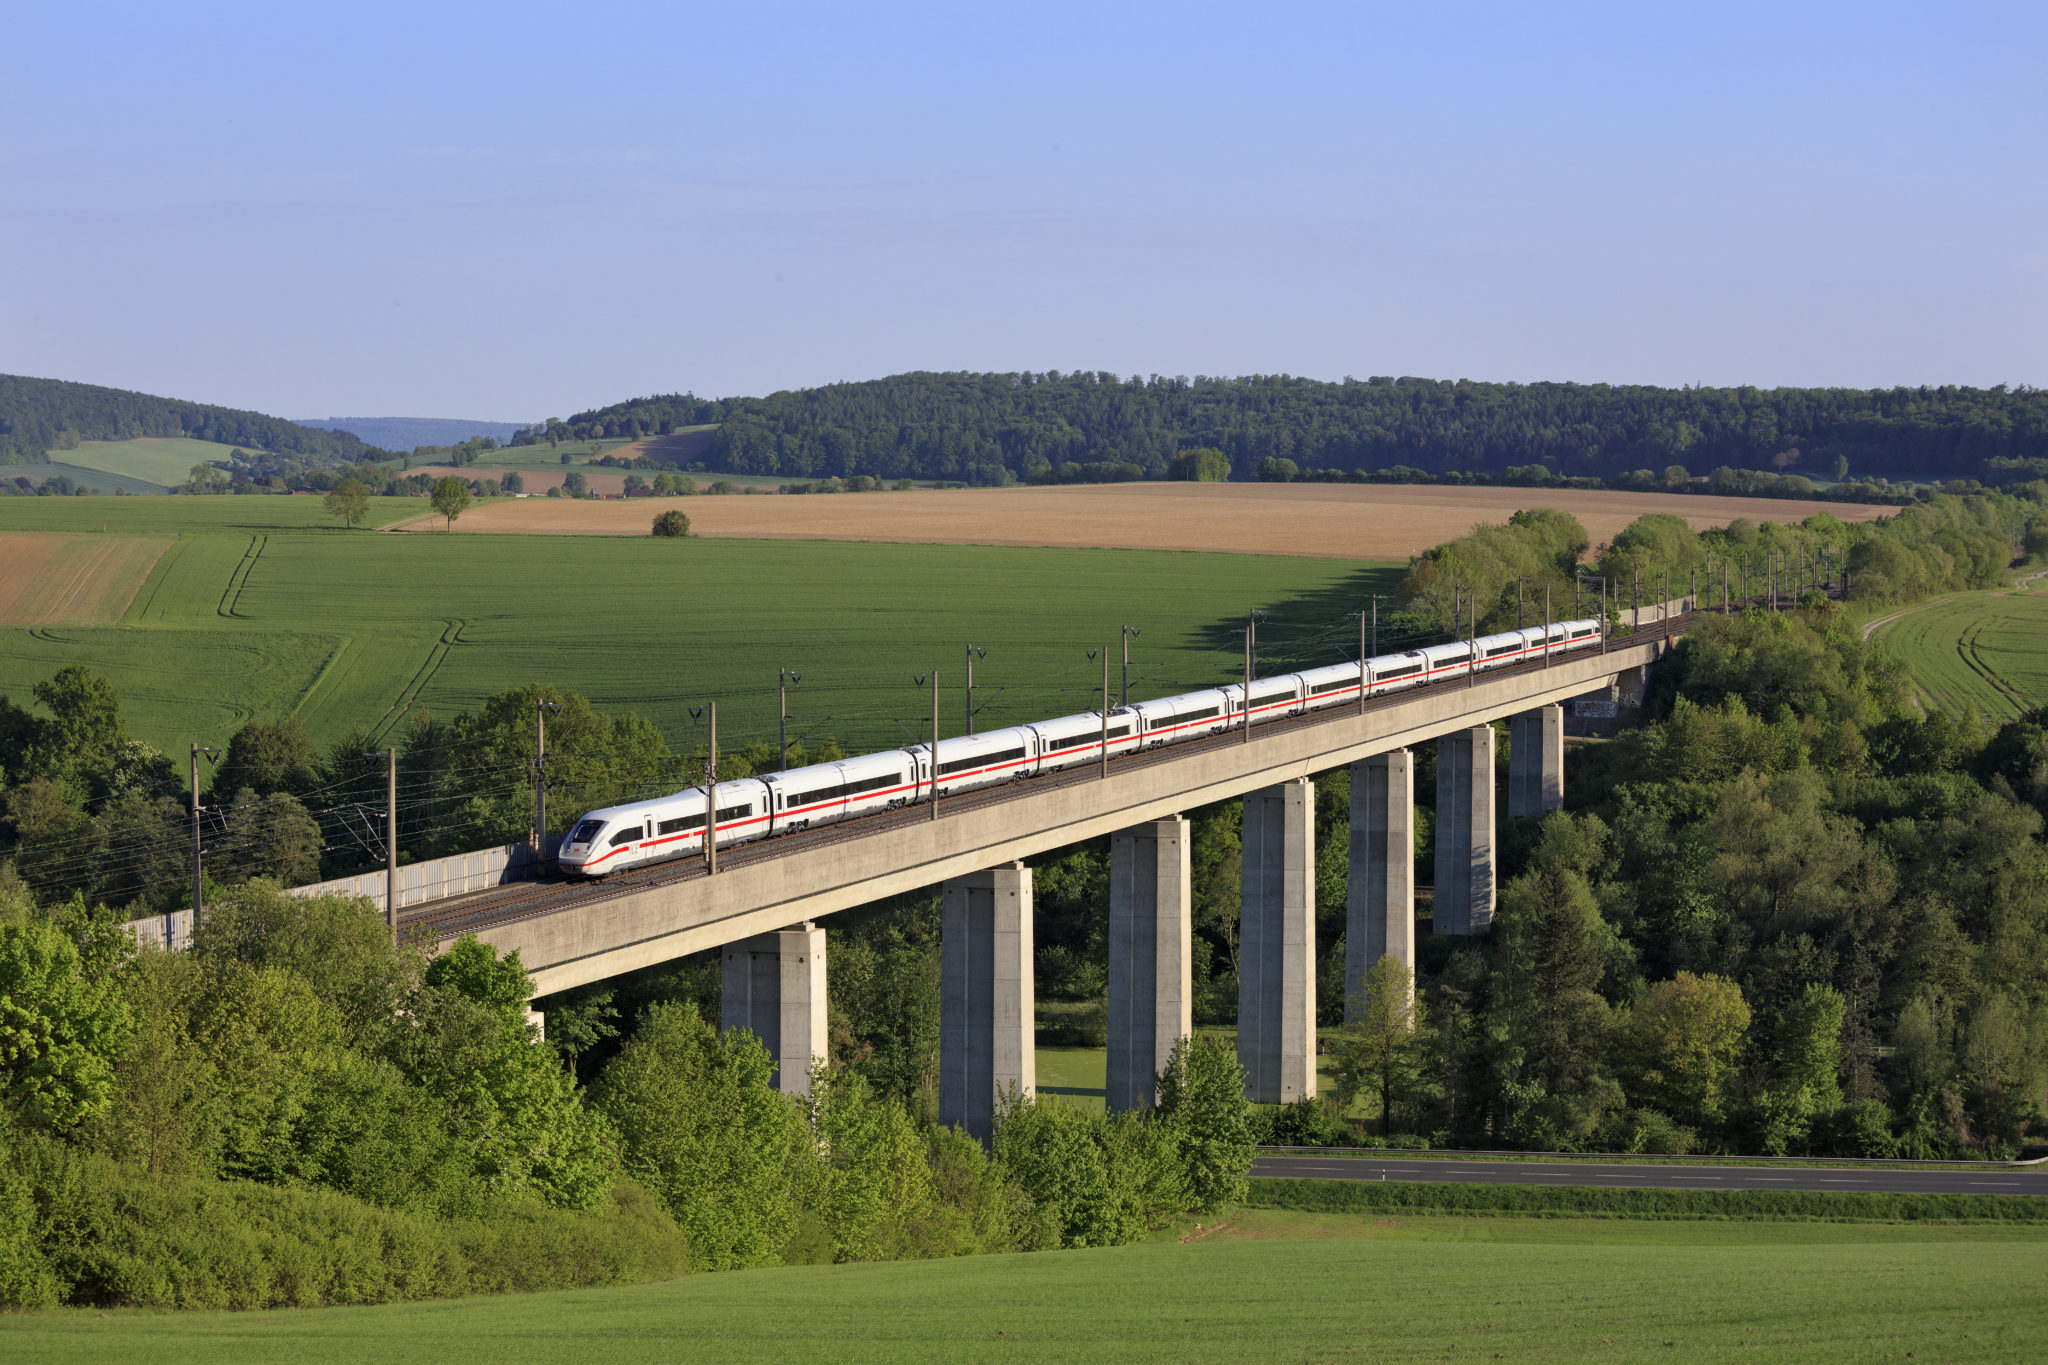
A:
(988, 428)
(985, 428)
(38, 416)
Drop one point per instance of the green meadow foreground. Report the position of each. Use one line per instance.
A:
(261, 608)
(1263, 1285)
(1987, 650)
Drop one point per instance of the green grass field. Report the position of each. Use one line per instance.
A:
(268, 611)
(98, 480)
(1988, 650)
(1262, 1285)
(164, 461)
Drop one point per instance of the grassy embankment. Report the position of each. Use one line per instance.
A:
(1983, 649)
(265, 608)
(1264, 1284)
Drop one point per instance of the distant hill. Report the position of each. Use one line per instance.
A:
(407, 433)
(984, 428)
(39, 416)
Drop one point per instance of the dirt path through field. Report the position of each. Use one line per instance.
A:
(1345, 521)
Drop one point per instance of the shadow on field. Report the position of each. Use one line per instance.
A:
(1313, 629)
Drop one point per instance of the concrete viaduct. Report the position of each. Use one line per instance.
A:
(763, 904)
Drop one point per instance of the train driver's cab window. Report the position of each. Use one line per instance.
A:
(586, 831)
(627, 835)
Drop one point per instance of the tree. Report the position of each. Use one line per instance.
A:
(266, 757)
(704, 1131)
(1685, 1040)
(270, 836)
(672, 523)
(1380, 1048)
(513, 482)
(1278, 469)
(1201, 465)
(1547, 1025)
(60, 1029)
(1052, 1151)
(1201, 1099)
(205, 479)
(451, 498)
(508, 1098)
(1800, 1085)
(84, 737)
(348, 500)
(574, 484)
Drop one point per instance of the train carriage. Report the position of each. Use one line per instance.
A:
(1073, 740)
(642, 832)
(970, 762)
(637, 833)
(824, 793)
(1170, 720)
(1324, 687)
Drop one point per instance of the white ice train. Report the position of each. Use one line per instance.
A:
(666, 827)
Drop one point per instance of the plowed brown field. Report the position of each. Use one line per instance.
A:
(1347, 521)
(45, 579)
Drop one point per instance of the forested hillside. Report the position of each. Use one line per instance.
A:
(986, 428)
(41, 415)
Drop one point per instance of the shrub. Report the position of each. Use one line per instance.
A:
(1201, 1098)
(703, 1130)
(672, 523)
(81, 1229)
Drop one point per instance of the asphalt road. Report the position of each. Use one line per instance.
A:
(1870, 1180)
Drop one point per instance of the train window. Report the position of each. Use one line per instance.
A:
(1321, 688)
(1502, 649)
(1259, 697)
(735, 812)
(1209, 714)
(679, 824)
(871, 784)
(627, 836)
(1453, 659)
(586, 831)
(1402, 672)
(985, 760)
(1119, 731)
(821, 794)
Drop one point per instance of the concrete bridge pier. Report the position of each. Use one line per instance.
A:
(1464, 831)
(1535, 762)
(1151, 985)
(987, 1030)
(1276, 983)
(1379, 912)
(774, 986)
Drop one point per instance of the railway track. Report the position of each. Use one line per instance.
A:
(473, 911)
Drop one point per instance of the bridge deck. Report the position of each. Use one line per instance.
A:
(569, 933)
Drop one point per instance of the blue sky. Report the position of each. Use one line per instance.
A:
(515, 211)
